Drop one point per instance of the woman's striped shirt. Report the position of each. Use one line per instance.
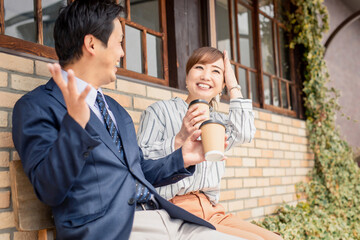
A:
(160, 123)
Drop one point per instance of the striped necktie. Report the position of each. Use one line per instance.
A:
(142, 193)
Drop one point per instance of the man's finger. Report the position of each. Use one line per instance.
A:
(85, 93)
(72, 83)
(55, 71)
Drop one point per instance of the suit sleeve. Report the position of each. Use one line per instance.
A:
(167, 170)
(53, 149)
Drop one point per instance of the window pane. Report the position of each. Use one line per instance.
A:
(267, 50)
(19, 20)
(222, 26)
(291, 100)
(267, 90)
(267, 6)
(275, 89)
(145, 13)
(154, 56)
(50, 12)
(285, 54)
(246, 36)
(235, 58)
(242, 82)
(134, 49)
(254, 95)
(284, 95)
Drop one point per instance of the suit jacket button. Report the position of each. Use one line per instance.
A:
(86, 154)
(131, 201)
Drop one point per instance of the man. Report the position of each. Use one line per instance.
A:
(79, 149)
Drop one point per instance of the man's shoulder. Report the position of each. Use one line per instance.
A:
(116, 106)
(38, 96)
(112, 102)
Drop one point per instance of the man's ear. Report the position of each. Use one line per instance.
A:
(89, 44)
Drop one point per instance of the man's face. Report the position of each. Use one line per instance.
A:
(109, 57)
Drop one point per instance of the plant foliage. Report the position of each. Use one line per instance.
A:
(332, 206)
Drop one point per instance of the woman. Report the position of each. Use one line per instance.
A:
(165, 125)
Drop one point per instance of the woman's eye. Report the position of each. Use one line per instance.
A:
(216, 71)
(199, 67)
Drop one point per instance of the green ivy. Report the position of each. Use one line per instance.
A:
(332, 206)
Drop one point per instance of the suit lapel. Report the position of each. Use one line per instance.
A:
(123, 121)
(96, 126)
(55, 91)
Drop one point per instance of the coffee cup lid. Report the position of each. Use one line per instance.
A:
(211, 121)
(198, 101)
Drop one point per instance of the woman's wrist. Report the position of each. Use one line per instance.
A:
(235, 87)
(235, 91)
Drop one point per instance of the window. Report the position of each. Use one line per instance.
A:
(145, 35)
(254, 35)
(28, 27)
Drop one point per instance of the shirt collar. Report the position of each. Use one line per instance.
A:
(81, 85)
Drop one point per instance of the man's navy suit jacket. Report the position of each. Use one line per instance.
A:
(80, 173)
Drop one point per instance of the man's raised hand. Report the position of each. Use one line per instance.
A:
(75, 102)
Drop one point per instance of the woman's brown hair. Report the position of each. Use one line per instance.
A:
(203, 55)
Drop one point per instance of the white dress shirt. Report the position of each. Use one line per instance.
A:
(91, 97)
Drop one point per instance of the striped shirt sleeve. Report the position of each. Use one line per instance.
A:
(151, 134)
(239, 122)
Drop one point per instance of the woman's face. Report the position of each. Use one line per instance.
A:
(205, 81)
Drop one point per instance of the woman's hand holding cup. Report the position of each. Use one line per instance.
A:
(191, 122)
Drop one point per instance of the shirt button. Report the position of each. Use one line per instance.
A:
(131, 201)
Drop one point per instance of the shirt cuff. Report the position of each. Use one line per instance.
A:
(237, 103)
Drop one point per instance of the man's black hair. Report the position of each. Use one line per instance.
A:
(80, 18)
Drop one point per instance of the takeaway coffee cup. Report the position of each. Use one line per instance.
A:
(213, 139)
(202, 105)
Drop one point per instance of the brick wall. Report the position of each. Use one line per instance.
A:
(260, 175)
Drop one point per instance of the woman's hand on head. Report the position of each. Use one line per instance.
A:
(191, 122)
(230, 79)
